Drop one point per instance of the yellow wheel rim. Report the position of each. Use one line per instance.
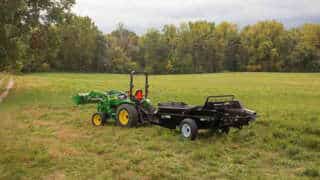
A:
(97, 120)
(123, 117)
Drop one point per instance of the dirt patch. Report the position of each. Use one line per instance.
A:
(56, 175)
(67, 134)
(58, 151)
(44, 123)
(7, 89)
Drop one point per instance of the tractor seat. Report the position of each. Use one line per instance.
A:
(139, 94)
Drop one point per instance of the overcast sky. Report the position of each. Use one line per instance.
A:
(139, 15)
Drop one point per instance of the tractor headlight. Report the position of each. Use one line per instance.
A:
(122, 96)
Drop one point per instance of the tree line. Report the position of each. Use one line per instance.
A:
(44, 35)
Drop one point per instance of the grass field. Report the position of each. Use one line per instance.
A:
(43, 135)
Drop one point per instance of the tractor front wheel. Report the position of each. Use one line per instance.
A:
(98, 119)
(127, 115)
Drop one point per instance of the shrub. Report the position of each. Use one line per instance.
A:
(45, 67)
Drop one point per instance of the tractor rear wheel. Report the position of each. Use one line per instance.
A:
(127, 115)
(98, 119)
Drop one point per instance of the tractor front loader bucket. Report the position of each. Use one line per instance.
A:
(88, 98)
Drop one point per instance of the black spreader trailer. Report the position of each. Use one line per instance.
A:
(217, 113)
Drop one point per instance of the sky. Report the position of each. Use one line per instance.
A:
(140, 15)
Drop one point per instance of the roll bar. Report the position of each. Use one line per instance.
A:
(146, 83)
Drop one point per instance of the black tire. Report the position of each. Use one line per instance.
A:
(105, 118)
(98, 119)
(225, 130)
(132, 117)
(189, 129)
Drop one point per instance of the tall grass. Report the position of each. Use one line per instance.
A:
(43, 135)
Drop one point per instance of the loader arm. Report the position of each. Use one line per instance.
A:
(91, 97)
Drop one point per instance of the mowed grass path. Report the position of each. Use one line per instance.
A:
(43, 135)
(4, 78)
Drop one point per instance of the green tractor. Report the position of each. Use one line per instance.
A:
(127, 109)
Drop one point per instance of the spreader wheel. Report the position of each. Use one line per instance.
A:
(189, 129)
(127, 115)
(225, 130)
(98, 119)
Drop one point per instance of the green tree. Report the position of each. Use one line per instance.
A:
(305, 54)
(123, 50)
(23, 24)
(81, 48)
(263, 42)
(229, 38)
(155, 51)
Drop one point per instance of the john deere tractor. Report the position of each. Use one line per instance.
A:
(131, 109)
(127, 108)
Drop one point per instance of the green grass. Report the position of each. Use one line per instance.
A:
(43, 135)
